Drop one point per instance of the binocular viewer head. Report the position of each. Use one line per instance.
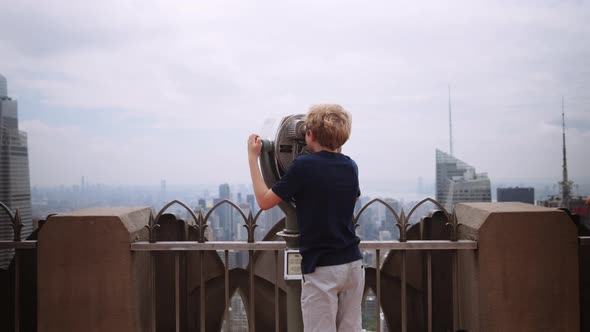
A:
(275, 159)
(289, 142)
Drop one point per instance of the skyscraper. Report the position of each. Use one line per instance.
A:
(224, 212)
(516, 194)
(202, 204)
(457, 182)
(224, 192)
(565, 185)
(15, 188)
(163, 188)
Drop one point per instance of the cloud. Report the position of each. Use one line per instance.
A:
(187, 72)
(63, 154)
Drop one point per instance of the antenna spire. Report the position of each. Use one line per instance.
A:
(565, 184)
(450, 123)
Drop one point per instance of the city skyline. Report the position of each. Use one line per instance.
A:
(209, 75)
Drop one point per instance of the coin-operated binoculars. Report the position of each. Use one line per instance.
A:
(275, 158)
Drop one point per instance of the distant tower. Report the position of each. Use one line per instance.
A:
(224, 213)
(457, 182)
(224, 192)
(450, 123)
(565, 184)
(163, 188)
(3, 87)
(420, 186)
(15, 188)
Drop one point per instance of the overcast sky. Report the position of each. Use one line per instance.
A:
(132, 92)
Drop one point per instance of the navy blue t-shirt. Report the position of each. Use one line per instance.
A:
(325, 187)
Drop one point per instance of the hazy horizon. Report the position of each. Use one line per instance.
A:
(408, 190)
(126, 92)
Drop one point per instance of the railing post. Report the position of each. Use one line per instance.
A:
(378, 286)
(17, 276)
(177, 290)
(429, 288)
(153, 299)
(252, 306)
(202, 291)
(277, 274)
(226, 289)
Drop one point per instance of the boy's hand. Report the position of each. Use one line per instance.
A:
(254, 146)
(265, 197)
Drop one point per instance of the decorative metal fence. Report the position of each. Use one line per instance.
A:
(404, 245)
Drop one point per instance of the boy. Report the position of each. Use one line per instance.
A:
(325, 187)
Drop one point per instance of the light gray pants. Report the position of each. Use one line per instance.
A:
(331, 298)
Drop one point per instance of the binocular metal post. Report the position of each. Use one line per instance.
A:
(290, 234)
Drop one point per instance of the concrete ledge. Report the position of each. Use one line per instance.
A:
(524, 275)
(89, 280)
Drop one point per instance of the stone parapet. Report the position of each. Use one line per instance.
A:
(88, 278)
(524, 275)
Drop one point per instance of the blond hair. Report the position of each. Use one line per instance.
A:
(330, 124)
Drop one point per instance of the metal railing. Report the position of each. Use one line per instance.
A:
(402, 246)
(202, 246)
(276, 247)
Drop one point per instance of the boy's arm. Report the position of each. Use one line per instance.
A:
(265, 197)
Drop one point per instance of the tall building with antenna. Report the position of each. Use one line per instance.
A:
(450, 124)
(565, 185)
(566, 198)
(15, 188)
(456, 181)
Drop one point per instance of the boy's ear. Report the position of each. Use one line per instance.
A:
(311, 135)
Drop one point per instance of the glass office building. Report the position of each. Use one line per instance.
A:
(15, 188)
(457, 182)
